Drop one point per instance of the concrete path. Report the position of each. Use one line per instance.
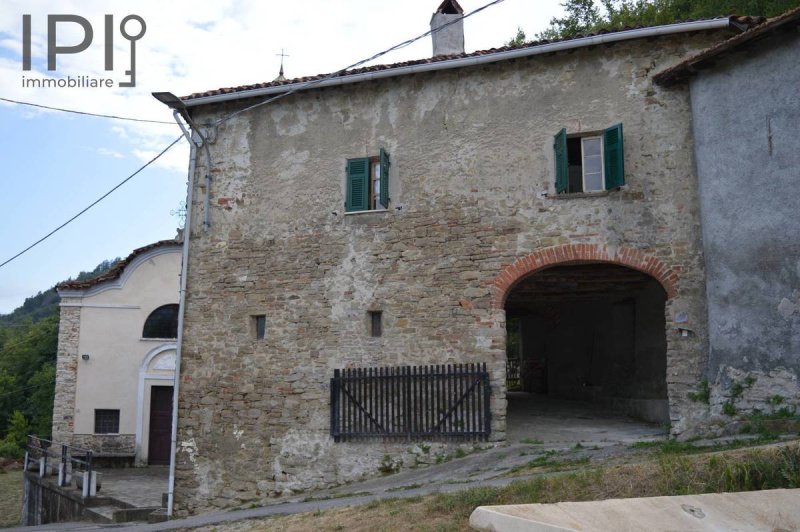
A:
(558, 430)
(554, 421)
(138, 487)
(393, 486)
(771, 510)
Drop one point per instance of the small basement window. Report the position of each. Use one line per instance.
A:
(368, 183)
(259, 326)
(589, 162)
(376, 323)
(106, 421)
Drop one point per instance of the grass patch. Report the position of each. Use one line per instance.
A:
(550, 465)
(10, 498)
(703, 395)
(531, 441)
(667, 474)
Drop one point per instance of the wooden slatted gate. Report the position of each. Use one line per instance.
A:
(437, 402)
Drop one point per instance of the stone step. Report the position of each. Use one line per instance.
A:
(159, 516)
(100, 514)
(115, 514)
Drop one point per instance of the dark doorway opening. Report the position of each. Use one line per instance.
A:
(158, 448)
(591, 334)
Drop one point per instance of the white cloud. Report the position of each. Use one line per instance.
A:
(110, 153)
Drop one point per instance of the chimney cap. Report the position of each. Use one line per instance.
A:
(450, 7)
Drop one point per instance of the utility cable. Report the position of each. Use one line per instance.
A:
(354, 65)
(26, 340)
(95, 202)
(232, 115)
(115, 117)
(14, 392)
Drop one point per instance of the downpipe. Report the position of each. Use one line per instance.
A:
(187, 228)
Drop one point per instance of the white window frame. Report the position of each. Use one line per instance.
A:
(602, 164)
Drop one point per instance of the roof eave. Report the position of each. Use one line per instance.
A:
(581, 42)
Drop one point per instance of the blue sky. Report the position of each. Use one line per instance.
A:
(55, 164)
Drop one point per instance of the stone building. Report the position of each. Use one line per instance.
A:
(406, 215)
(116, 357)
(748, 162)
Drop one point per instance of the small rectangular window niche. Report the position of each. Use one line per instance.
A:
(259, 326)
(376, 323)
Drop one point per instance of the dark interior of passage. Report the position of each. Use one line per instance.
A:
(590, 332)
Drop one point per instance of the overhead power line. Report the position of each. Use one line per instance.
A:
(115, 117)
(95, 202)
(228, 117)
(356, 64)
(14, 392)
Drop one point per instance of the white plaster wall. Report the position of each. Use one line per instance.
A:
(112, 318)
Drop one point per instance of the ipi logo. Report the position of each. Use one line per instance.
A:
(54, 50)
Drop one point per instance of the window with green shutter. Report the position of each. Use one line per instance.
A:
(612, 156)
(589, 162)
(368, 183)
(358, 184)
(560, 146)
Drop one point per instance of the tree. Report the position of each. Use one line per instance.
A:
(40, 404)
(519, 40)
(13, 445)
(584, 16)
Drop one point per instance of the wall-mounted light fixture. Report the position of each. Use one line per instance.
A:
(85, 356)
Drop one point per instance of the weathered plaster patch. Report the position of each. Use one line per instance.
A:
(190, 448)
(786, 308)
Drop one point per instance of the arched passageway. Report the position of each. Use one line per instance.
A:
(586, 342)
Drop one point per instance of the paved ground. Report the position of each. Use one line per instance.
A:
(558, 425)
(555, 421)
(140, 486)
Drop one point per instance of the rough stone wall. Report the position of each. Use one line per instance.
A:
(748, 159)
(109, 444)
(471, 156)
(69, 327)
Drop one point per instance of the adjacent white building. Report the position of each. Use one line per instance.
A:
(116, 357)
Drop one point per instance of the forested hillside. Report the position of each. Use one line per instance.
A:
(28, 342)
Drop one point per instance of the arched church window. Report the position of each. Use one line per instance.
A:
(162, 323)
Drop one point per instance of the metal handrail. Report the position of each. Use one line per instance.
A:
(71, 459)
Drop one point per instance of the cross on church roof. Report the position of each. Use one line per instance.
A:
(281, 77)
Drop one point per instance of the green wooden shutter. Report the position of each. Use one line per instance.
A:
(384, 199)
(613, 160)
(358, 184)
(562, 169)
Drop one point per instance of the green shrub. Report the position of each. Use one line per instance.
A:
(11, 450)
(18, 430)
(703, 395)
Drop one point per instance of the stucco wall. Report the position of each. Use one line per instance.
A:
(110, 317)
(471, 154)
(746, 116)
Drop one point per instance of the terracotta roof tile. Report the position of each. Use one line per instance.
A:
(684, 69)
(739, 20)
(118, 268)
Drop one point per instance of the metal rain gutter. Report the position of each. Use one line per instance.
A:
(640, 33)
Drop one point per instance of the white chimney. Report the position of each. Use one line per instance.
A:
(448, 40)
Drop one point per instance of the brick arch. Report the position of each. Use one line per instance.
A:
(574, 253)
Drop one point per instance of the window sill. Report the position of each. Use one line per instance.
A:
(576, 195)
(158, 339)
(374, 211)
